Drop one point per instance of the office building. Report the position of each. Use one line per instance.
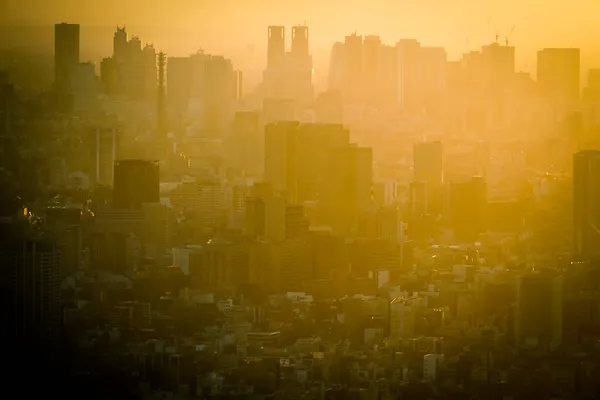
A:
(352, 80)
(179, 78)
(330, 107)
(135, 182)
(346, 187)
(466, 210)
(586, 204)
(276, 110)
(209, 208)
(428, 168)
(402, 318)
(421, 74)
(30, 268)
(104, 144)
(281, 168)
(539, 312)
(66, 54)
(246, 143)
(592, 90)
(68, 230)
(276, 47)
(558, 72)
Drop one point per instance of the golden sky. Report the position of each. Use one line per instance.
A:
(538, 23)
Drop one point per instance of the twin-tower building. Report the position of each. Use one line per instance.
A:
(289, 73)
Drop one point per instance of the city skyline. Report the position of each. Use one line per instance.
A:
(452, 27)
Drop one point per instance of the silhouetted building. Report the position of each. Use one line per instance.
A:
(179, 77)
(135, 182)
(422, 74)
(281, 167)
(586, 203)
(347, 187)
(592, 90)
(558, 73)
(466, 210)
(539, 312)
(428, 168)
(66, 54)
(30, 276)
(276, 46)
(330, 107)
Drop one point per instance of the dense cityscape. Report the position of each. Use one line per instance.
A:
(421, 228)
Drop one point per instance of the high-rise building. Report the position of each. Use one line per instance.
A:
(586, 203)
(150, 70)
(281, 167)
(179, 78)
(371, 64)
(246, 143)
(558, 74)
(104, 146)
(314, 144)
(209, 207)
(276, 110)
(330, 107)
(67, 226)
(120, 41)
(466, 208)
(336, 67)
(346, 187)
(421, 74)
(30, 274)
(352, 81)
(300, 40)
(428, 168)
(539, 310)
(109, 76)
(276, 46)
(135, 182)
(592, 90)
(66, 54)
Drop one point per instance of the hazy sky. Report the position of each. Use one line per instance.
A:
(213, 23)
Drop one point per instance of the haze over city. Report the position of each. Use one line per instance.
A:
(377, 200)
(179, 27)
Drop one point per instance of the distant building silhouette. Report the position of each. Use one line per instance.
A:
(276, 46)
(66, 54)
(135, 182)
(428, 168)
(558, 74)
(586, 204)
(30, 265)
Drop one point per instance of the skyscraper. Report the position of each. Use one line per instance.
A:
(346, 189)
(428, 168)
(539, 312)
(276, 47)
(66, 54)
(352, 81)
(135, 182)
(281, 169)
(421, 73)
(30, 274)
(586, 203)
(179, 78)
(558, 74)
(300, 40)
